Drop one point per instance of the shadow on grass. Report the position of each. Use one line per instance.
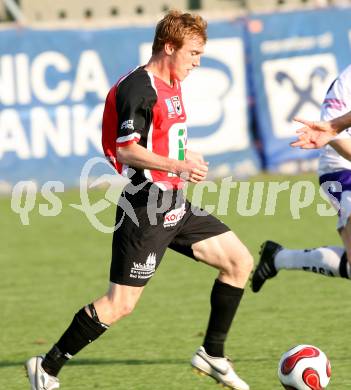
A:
(142, 362)
(102, 362)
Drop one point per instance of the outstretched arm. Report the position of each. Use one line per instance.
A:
(342, 122)
(342, 146)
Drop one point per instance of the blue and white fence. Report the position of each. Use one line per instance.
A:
(53, 84)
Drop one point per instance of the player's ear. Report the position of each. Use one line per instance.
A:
(169, 48)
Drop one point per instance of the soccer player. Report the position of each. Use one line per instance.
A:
(334, 177)
(144, 136)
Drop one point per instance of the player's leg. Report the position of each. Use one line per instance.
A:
(206, 239)
(135, 259)
(229, 255)
(326, 260)
(234, 262)
(345, 263)
(88, 324)
(226, 253)
(119, 302)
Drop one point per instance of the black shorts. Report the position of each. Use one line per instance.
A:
(147, 223)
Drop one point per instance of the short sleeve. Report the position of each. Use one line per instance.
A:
(337, 100)
(134, 102)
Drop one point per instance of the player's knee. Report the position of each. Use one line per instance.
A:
(240, 264)
(126, 309)
(120, 310)
(248, 261)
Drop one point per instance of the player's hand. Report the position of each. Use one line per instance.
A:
(314, 135)
(192, 171)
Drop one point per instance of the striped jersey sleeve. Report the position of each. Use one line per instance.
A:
(135, 99)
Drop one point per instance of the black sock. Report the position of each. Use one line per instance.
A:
(343, 266)
(225, 300)
(54, 361)
(82, 331)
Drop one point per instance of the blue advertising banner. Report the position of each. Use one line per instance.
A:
(295, 56)
(52, 89)
(53, 84)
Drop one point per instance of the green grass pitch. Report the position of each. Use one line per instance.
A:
(55, 265)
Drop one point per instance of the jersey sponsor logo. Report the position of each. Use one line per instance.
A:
(336, 104)
(177, 105)
(174, 216)
(177, 143)
(170, 108)
(181, 144)
(144, 271)
(128, 124)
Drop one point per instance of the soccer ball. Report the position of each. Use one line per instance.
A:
(304, 367)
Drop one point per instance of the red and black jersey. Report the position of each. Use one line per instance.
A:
(142, 108)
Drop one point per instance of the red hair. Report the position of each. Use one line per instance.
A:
(175, 26)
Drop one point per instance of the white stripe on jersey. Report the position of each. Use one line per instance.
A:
(147, 172)
(336, 103)
(127, 138)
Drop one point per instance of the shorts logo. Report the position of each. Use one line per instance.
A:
(128, 124)
(174, 216)
(177, 105)
(144, 271)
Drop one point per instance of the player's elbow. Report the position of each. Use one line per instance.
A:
(124, 155)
